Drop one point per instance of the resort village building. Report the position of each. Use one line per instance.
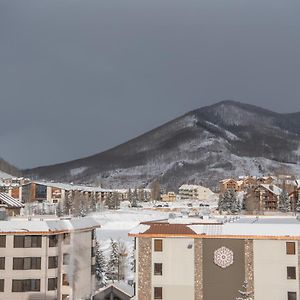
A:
(47, 259)
(192, 258)
(195, 192)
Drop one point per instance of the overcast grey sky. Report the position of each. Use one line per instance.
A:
(80, 76)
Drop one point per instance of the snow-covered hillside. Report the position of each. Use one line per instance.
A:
(206, 145)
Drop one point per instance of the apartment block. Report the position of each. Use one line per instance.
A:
(47, 259)
(195, 259)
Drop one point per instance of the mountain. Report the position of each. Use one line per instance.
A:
(7, 170)
(203, 146)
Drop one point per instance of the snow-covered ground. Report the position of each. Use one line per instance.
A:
(117, 224)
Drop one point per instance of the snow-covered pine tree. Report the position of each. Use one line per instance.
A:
(113, 263)
(220, 204)
(129, 196)
(100, 266)
(93, 202)
(284, 203)
(116, 200)
(298, 203)
(245, 294)
(134, 199)
(123, 257)
(228, 202)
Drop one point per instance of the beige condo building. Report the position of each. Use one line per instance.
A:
(47, 259)
(194, 259)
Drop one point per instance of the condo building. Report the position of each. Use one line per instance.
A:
(47, 259)
(210, 259)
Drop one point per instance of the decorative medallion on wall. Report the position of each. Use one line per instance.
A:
(223, 257)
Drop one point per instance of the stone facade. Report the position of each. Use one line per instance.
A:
(144, 269)
(249, 265)
(198, 269)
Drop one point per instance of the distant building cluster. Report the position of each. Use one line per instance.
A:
(263, 194)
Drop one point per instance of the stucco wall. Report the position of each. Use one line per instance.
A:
(270, 274)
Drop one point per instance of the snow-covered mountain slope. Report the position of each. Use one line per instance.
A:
(7, 170)
(226, 139)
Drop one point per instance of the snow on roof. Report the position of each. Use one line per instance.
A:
(10, 201)
(272, 188)
(227, 180)
(73, 187)
(124, 287)
(47, 226)
(247, 229)
(285, 226)
(140, 229)
(194, 187)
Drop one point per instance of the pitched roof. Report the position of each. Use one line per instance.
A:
(10, 201)
(272, 188)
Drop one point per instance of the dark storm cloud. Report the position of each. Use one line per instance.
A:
(77, 77)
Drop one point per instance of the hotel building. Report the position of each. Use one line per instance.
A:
(196, 259)
(47, 259)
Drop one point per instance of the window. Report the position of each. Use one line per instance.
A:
(26, 263)
(66, 259)
(2, 263)
(158, 245)
(26, 285)
(93, 234)
(65, 279)
(27, 241)
(292, 296)
(93, 269)
(64, 297)
(53, 240)
(52, 262)
(1, 285)
(158, 293)
(157, 269)
(93, 252)
(52, 284)
(290, 248)
(291, 272)
(67, 238)
(2, 241)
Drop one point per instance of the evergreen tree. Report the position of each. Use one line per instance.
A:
(134, 199)
(298, 203)
(243, 206)
(93, 203)
(67, 204)
(113, 201)
(147, 196)
(129, 196)
(59, 209)
(123, 253)
(245, 294)
(100, 266)
(228, 202)
(284, 203)
(141, 195)
(113, 263)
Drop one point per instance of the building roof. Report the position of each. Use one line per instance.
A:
(50, 226)
(272, 188)
(72, 187)
(222, 227)
(9, 201)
